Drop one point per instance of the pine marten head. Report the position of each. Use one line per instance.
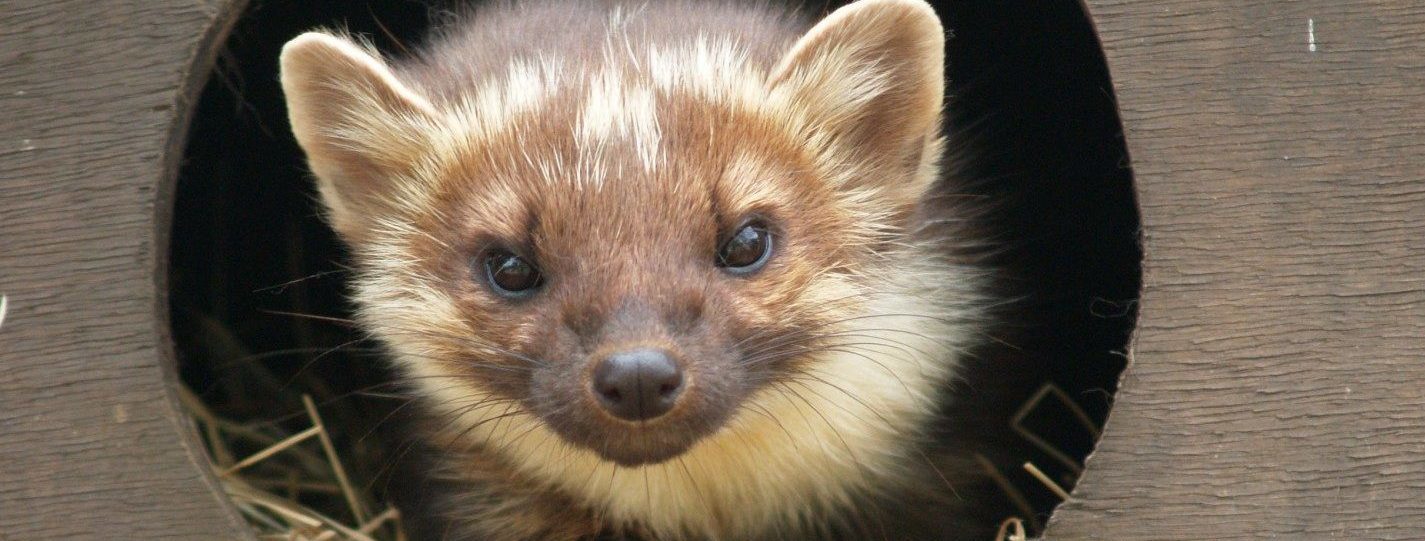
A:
(672, 257)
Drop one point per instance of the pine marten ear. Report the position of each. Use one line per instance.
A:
(870, 79)
(358, 124)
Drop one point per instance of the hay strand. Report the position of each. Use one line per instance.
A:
(1053, 487)
(311, 519)
(1012, 529)
(357, 510)
(1049, 389)
(1010, 491)
(268, 452)
(389, 515)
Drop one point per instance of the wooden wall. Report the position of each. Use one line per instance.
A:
(94, 97)
(1275, 389)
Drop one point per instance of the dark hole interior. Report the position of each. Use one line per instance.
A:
(257, 280)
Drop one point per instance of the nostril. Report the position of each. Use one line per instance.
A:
(639, 384)
(612, 395)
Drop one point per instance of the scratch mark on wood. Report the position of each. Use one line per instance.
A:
(1311, 35)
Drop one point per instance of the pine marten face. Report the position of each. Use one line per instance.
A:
(665, 252)
(633, 306)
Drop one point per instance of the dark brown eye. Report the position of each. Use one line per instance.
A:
(511, 275)
(747, 250)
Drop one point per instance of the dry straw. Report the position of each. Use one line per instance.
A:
(271, 500)
(1013, 528)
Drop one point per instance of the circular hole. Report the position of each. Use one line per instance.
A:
(258, 281)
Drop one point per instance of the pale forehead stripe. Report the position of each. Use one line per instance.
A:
(619, 110)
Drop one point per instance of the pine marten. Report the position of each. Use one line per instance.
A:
(660, 270)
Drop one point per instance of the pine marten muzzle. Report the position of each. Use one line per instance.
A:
(658, 269)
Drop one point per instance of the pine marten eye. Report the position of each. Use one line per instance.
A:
(510, 275)
(747, 250)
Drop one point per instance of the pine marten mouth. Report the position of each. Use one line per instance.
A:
(637, 445)
(644, 456)
(627, 439)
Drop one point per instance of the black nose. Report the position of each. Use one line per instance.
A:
(638, 385)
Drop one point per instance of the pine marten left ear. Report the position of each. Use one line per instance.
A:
(360, 126)
(871, 78)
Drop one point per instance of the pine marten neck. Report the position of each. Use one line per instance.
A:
(659, 269)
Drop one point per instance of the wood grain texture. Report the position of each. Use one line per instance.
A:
(93, 100)
(1276, 384)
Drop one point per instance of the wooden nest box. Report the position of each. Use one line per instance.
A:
(1277, 379)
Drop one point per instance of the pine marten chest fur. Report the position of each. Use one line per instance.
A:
(658, 270)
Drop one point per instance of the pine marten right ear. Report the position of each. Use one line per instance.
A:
(361, 128)
(869, 79)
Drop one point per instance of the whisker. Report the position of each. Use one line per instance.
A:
(345, 322)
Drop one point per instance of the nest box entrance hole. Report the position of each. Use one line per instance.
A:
(257, 281)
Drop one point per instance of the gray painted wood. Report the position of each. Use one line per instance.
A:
(93, 98)
(1276, 383)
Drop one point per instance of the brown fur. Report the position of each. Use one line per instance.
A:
(617, 150)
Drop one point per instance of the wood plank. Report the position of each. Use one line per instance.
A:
(94, 98)
(1275, 390)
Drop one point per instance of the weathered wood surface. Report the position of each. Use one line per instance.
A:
(1277, 388)
(91, 443)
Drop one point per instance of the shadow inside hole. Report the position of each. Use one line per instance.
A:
(257, 281)
(1033, 126)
